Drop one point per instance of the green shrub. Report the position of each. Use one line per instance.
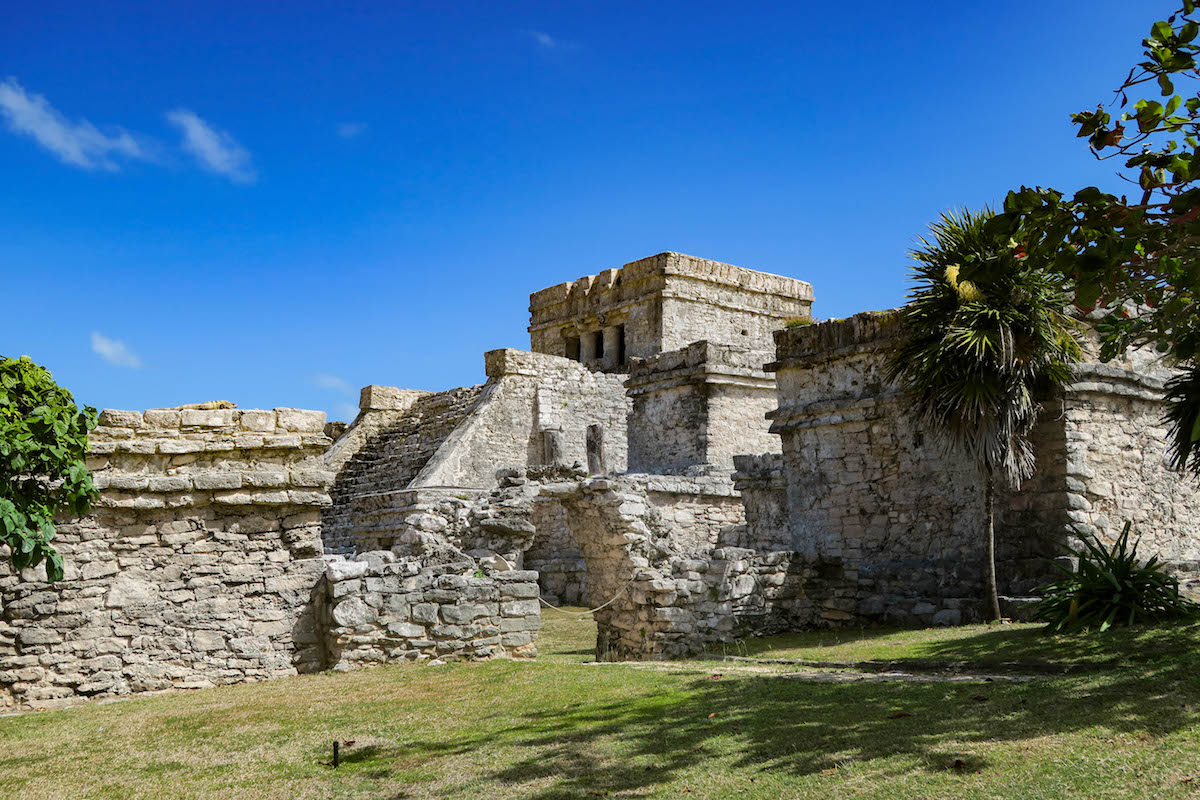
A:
(798, 322)
(1111, 587)
(43, 462)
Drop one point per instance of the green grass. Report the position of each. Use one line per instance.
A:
(564, 728)
(979, 644)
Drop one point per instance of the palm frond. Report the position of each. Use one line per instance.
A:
(974, 359)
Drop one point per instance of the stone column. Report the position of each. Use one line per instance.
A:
(587, 347)
(553, 447)
(612, 348)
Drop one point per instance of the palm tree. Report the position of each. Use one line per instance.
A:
(986, 333)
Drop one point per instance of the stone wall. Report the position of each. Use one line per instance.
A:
(379, 608)
(866, 485)
(195, 568)
(662, 594)
(1117, 467)
(705, 509)
(699, 406)
(555, 555)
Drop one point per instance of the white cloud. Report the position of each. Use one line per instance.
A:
(348, 130)
(80, 144)
(215, 149)
(544, 39)
(332, 382)
(114, 351)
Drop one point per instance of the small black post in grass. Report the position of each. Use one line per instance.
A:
(336, 758)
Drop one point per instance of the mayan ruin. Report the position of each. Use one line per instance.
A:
(681, 448)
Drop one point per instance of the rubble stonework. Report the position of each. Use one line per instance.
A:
(378, 608)
(640, 461)
(195, 568)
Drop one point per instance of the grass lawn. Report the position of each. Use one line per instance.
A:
(563, 728)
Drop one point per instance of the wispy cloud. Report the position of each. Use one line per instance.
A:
(213, 148)
(348, 130)
(80, 144)
(547, 43)
(114, 351)
(344, 409)
(332, 382)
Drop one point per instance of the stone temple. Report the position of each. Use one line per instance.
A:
(679, 448)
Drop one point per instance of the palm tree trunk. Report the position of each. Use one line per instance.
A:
(989, 504)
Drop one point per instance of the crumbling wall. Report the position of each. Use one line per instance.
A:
(195, 568)
(660, 596)
(555, 555)
(704, 508)
(760, 481)
(380, 608)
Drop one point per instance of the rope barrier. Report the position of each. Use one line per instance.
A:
(620, 592)
(594, 610)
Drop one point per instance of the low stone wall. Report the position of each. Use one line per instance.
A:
(195, 568)
(379, 608)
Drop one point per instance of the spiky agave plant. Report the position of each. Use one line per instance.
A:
(1112, 586)
(986, 333)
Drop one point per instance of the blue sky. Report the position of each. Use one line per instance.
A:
(276, 204)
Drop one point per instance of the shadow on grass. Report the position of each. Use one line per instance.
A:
(773, 724)
(1135, 645)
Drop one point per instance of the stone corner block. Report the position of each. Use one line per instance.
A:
(116, 418)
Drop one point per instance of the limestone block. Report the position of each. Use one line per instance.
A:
(180, 446)
(407, 630)
(169, 484)
(112, 417)
(265, 480)
(299, 420)
(161, 418)
(257, 420)
(519, 608)
(33, 636)
(351, 612)
(217, 480)
(208, 640)
(217, 418)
